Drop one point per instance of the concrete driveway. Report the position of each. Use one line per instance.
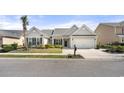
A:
(94, 53)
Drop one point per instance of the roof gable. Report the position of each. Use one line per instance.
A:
(71, 30)
(84, 30)
(35, 31)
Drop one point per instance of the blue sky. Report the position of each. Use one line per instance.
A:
(52, 21)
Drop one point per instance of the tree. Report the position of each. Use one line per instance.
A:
(24, 20)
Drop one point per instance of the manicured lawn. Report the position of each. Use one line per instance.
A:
(41, 56)
(33, 56)
(33, 50)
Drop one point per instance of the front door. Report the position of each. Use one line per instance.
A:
(65, 43)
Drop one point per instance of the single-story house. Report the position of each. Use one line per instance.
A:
(82, 37)
(11, 36)
(110, 33)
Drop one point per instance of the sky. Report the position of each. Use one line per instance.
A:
(57, 21)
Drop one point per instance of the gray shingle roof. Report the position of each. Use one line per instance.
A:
(60, 31)
(65, 31)
(11, 33)
(48, 31)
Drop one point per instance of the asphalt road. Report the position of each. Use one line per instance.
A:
(61, 68)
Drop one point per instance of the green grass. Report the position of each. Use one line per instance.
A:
(41, 56)
(33, 50)
(33, 56)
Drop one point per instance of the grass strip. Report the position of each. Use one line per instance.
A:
(42, 56)
(33, 56)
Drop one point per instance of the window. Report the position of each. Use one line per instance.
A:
(122, 40)
(33, 41)
(27, 40)
(40, 40)
(57, 41)
(122, 30)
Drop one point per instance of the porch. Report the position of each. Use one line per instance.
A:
(33, 42)
(65, 42)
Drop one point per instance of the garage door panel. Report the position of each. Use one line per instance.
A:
(84, 42)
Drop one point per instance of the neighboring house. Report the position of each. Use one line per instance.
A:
(10, 37)
(110, 32)
(82, 37)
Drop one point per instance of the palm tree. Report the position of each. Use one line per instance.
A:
(24, 20)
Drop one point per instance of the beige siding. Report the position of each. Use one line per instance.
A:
(11, 41)
(106, 34)
(119, 30)
(21, 41)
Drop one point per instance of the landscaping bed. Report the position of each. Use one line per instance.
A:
(75, 56)
(14, 48)
(112, 48)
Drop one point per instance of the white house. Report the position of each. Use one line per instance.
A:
(82, 37)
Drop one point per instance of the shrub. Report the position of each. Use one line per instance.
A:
(58, 46)
(14, 46)
(72, 56)
(42, 46)
(10, 47)
(49, 46)
(69, 55)
(119, 49)
(7, 48)
(97, 46)
(115, 49)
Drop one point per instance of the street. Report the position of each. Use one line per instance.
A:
(12, 67)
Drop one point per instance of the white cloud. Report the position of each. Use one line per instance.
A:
(8, 23)
(90, 24)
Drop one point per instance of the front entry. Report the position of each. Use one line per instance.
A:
(65, 43)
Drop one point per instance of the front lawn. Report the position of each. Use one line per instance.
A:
(34, 50)
(33, 56)
(42, 56)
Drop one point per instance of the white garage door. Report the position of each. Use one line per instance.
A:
(84, 42)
